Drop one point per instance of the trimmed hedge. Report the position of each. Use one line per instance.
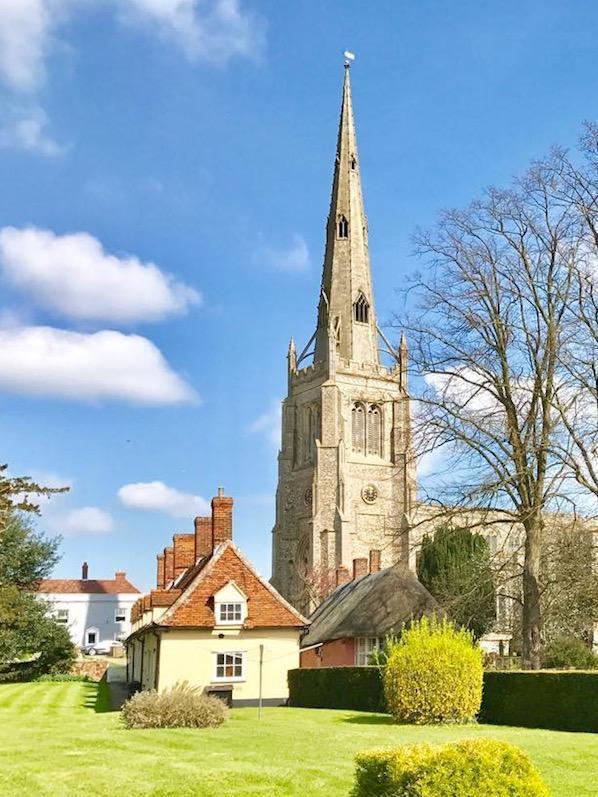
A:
(471, 768)
(562, 701)
(355, 688)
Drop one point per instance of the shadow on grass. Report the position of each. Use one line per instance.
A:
(97, 697)
(370, 719)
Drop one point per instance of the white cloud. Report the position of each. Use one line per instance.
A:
(26, 129)
(159, 497)
(87, 520)
(43, 361)
(210, 30)
(74, 276)
(25, 27)
(292, 259)
(268, 424)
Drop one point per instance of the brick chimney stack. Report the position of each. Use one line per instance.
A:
(120, 576)
(184, 551)
(168, 565)
(374, 561)
(222, 518)
(84, 571)
(342, 576)
(360, 568)
(160, 571)
(203, 537)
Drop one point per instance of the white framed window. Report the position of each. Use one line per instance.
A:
(92, 636)
(120, 615)
(61, 616)
(229, 666)
(365, 647)
(230, 613)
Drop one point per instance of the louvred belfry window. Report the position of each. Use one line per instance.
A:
(374, 437)
(358, 427)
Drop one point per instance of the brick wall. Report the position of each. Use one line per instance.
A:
(338, 653)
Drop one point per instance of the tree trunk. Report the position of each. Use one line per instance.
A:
(531, 594)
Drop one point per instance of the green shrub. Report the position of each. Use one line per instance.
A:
(182, 706)
(564, 701)
(61, 677)
(354, 688)
(477, 768)
(434, 674)
(566, 652)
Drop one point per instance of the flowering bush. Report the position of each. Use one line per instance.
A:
(477, 768)
(433, 674)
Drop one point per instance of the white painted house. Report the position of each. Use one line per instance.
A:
(94, 610)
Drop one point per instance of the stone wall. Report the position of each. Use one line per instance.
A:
(95, 669)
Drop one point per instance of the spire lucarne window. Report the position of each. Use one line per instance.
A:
(361, 309)
(343, 227)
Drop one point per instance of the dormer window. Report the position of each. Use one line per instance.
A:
(230, 613)
(361, 309)
(343, 227)
(230, 606)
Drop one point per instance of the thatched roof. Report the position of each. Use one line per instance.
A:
(374, 605)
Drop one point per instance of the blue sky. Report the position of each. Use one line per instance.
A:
(165, 169)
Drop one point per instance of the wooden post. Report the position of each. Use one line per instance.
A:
(259, 705)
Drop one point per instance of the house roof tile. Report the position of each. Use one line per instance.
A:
(87, 586)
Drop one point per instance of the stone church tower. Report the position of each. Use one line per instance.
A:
(346, 482)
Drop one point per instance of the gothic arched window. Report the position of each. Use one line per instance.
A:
(343, 227)
(374, 431)
(358, 427)
(361, 309)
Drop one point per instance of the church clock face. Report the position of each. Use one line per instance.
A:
(369, 493)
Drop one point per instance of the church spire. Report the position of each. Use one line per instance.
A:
(346, 307)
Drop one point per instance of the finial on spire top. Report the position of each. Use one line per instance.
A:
(349, 56)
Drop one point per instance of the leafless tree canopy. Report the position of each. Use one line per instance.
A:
(504, 343)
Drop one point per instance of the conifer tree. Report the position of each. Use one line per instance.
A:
(454, 565)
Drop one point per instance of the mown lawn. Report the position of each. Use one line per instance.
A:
(54, 741)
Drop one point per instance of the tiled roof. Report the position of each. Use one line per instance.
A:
(195, 607)
(87, 586)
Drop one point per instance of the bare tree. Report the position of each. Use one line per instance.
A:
(491, 313)
(576, 399)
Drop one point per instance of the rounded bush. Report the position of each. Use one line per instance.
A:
(181, 706)
(568, 652)
(475, 768)
(433, 674)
